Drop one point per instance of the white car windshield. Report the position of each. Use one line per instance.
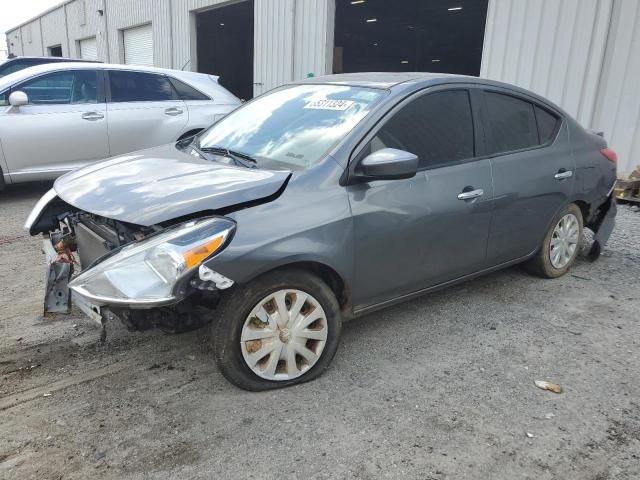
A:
(295, 125)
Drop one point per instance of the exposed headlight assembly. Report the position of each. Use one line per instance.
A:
(146, 272)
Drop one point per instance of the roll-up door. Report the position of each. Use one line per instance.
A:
(138, 46)
(89, 49)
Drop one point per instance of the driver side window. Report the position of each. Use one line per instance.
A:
(437, 127)
(61, 88)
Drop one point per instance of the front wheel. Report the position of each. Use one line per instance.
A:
(561, 244)
(279, 330)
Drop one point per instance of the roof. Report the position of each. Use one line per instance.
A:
(208, 84)
(416, 80)
(48, 59)
(381, 79)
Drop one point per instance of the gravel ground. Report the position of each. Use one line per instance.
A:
(438, 388)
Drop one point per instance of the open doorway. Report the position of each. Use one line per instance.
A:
(409, 36)
(55, 51)
(225, 46)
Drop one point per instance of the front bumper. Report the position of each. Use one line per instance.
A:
(91, 310)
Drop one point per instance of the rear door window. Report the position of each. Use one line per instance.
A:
(437, 127)
(139, 87)
(512, 123)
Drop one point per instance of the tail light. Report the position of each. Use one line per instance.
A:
(609, 155)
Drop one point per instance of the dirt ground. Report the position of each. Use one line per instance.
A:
(438, 388)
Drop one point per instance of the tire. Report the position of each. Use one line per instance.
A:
(543, 263)
(239, 314)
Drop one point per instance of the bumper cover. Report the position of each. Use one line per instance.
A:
(602, 227)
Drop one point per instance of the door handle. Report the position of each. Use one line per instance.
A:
(173, 111)
(92, 116)
(470, 195)
(562, 174)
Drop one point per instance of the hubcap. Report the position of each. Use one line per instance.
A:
(564, 241)
(284, 335)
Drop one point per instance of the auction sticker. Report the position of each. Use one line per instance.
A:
(329, 104)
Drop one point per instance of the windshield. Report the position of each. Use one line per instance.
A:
(294, 125)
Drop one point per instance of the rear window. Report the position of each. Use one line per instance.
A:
(186, 92)
(512, 123)
(547, 124)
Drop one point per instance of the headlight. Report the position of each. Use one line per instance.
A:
(147, 271)
(37, 210)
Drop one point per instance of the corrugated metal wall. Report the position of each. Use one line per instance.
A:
(84, 22)
(292, 37)
(54, 31)
(313, 42)
(582, 54)
(31, 38)
(577, 53)
(617, 109)
(273, 43)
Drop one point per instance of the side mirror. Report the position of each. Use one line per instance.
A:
(18, 99)
(388, 164)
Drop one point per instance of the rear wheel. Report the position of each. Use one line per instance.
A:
(561, 244)
(279, 330)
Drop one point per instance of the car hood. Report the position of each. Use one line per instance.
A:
(163, 183)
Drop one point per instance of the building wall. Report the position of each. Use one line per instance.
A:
(617, 110)
(84, 22)
(293, 38)
(577, 53)
(31, 38)
(313, 39)
(581, 54)
(54, 31)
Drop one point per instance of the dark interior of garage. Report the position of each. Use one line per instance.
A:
(409, 36)
(225, 46)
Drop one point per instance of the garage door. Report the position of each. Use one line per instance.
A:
(138, 46)
(89, 49)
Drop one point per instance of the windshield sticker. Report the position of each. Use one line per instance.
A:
(340, 105)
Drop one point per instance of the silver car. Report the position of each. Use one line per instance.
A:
(82, 112)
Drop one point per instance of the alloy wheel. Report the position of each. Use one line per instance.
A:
(564, 241)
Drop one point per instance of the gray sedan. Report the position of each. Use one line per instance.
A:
(321, 201)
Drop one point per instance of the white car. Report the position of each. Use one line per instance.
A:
(57, 117)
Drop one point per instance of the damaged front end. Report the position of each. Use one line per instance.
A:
(139, 274)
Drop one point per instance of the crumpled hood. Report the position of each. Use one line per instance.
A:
(160, 184)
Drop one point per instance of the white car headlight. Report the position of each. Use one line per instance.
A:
(146, 272)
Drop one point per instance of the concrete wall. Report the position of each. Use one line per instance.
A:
(581, 54)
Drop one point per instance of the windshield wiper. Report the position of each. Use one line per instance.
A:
(239, 157)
